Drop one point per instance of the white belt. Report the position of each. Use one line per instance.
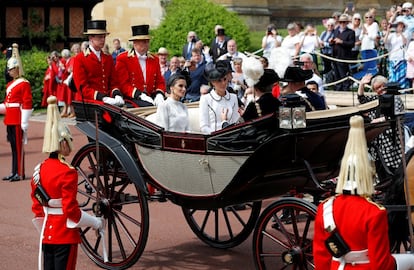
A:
(55, 207)
(12, 105)
(353, 257)
(53, 211)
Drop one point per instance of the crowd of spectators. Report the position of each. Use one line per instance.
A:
(353, 43)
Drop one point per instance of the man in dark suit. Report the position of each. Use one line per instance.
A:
(188, 47)
(196, 69)
(342, 43)
(219, 44)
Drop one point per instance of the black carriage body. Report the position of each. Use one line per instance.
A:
(246, 162)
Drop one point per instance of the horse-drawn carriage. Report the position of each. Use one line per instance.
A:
(208, 175)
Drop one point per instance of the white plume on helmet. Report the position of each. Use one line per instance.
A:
(279, 61)
(252, 70)
(15, 60)
(55, 130)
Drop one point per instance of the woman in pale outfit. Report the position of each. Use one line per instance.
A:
(218, 108)
(172, 114)
(310, 42)
(368, 38)
(292, 41)
(271, 40)
(397, 64)
(239, 85)
(409, 56)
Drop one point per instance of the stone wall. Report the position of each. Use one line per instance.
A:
(122, 14)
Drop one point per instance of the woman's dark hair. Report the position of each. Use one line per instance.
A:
(179, 75)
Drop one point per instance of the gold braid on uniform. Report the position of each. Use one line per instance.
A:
(258, 109)
(310, 105)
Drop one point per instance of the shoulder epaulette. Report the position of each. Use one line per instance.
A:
(62, 160)
(336, 195)
(380, 206)
(131, 53)
(87, 52)
(151, 55)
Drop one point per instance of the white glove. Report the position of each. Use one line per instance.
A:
(86, 220)
(404, 261)
(2, 108)
(38, 223)
(109, 100)
(146, 98)
(36, 174)
(25, 119)
(68, 79)
(159, 98)
(119, 100)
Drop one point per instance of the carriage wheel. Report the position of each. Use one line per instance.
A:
(114, 197)
(224, 227)
(283, 235)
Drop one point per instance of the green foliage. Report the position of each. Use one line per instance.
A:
(200, 16)
(34, 65)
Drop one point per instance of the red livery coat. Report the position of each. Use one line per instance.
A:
(96, 79)
(60, 180)
(47, 90)
(18, 91)
(363, 225)
(131, 78)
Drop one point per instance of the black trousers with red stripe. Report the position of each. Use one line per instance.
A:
(60, 257)
(15, 138)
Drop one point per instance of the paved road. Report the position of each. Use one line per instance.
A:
(171, 244)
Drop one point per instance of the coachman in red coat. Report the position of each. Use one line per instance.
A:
(94, 71)
(139, 72)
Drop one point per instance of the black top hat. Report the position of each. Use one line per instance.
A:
(297, 74)
(140, 32)
(96, 27)
(267, 80)
(220, 32)
(224, 64)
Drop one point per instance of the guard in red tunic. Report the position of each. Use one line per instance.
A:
(351, 231)
(94, 71)
(17, 107)
(54, 204)
(139, 71)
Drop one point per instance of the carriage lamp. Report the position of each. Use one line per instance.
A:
(292, 115)
(388, 100)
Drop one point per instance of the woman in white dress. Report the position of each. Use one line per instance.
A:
(219, 106)
(271, 40)
(172, 114)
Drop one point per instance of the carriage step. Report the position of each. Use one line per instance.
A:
(158, 196)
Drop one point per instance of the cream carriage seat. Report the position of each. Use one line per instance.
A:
(342, 110)
(193, 114)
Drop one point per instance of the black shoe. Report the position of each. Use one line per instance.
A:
(7, 178)
(15, 178)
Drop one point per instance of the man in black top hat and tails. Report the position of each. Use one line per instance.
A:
(94, 71)
(296, 89)
(219, 44)
(139, 70)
